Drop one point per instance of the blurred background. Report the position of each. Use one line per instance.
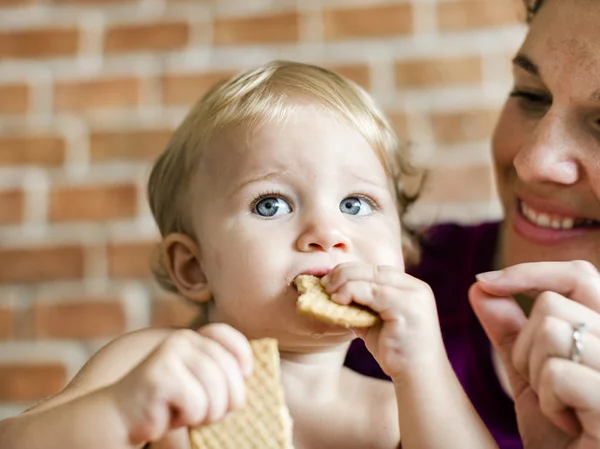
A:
(90, 91)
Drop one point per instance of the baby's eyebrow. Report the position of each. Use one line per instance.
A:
(365, 179)
(274, 175)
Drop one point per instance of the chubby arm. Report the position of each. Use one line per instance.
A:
(86, 413)
(433, 410)
(90, 421)
(140, 388)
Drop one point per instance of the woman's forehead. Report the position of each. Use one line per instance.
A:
(571, 26)
(563, 42)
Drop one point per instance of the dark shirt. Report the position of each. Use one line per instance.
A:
(451, 257)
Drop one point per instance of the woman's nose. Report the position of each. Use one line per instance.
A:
(551, 153)
(323, 235)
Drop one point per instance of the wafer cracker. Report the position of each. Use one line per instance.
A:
(316, 303)
(264, 421)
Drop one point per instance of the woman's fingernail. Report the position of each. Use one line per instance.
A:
(489, 276)
(324, 281)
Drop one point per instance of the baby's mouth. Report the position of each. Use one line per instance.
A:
(318, 272)
(555, 221)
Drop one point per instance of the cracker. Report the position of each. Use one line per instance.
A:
(264, 421)
(316, 303)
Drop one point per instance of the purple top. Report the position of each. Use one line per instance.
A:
(451, 257)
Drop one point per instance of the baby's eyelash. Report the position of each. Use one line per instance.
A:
(265, 194)
(365, 197)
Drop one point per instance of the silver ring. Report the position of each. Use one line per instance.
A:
(577, 349)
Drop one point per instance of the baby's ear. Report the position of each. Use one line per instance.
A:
(181, 255)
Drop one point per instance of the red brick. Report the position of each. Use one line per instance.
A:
(467, 126)
(99, 93)
(187, 89)
(14, 99)
(470, 14)
(447, 184)
(7, 323)
(17, 2)
(46, 150)
(93, 2)
(79, 319)
(130, 260)
(370, 21)
(39, 43)
(175, 312)
(147, 37)
(398, 120)
(136, 145)
(11, 206)
(41, 264)
(360, 74)
(31, 382)
(93, 203)
(438, 72)
(268, 29)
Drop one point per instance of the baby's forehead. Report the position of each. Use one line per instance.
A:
(291, 153)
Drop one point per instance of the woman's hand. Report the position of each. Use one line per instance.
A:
(557, 397)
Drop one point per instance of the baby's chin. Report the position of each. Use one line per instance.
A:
(304, 333)
(315, 343)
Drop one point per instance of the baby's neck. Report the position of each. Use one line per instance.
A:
(314, 374)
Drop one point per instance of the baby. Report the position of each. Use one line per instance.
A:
(284, 170)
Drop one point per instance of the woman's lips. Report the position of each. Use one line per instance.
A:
(546, 228)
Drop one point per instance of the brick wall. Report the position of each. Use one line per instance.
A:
(91, 89)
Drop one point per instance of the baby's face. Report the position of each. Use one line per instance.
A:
(300, 196)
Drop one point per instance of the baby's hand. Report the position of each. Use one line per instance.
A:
(190, 379)
(408, 338)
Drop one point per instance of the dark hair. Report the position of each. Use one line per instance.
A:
(532, 8)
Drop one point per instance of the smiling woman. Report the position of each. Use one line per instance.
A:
(546, 153)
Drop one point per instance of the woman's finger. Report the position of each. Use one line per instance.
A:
(550, 305)
(554, 338)
(570, 390)
(577, 280)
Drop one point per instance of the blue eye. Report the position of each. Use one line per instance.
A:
(355, 206)
(272, 206)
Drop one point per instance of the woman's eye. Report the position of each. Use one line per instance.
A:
(355, 206)
(532, 100)
(272, 206)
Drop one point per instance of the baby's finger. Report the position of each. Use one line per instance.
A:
(232, 340)
(231, 369)
(190, 350)
(214, 381)
(189, 402)
(389, 302)
(380, 274)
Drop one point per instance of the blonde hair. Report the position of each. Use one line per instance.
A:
(267, 93)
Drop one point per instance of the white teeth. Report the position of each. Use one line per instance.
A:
(546, 221)
(543, 220)
(568, 223)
